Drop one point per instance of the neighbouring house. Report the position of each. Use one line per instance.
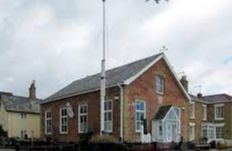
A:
(209, 116)
(219, 117)
(20, 116)
(145, 89)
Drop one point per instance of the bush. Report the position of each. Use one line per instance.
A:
(222, 145)
(103, 139)
(190, 145)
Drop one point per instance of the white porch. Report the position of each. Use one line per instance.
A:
(166, 125)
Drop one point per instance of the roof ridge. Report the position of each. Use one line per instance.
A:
(114, 68)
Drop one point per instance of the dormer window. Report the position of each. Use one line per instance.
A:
(159, 84)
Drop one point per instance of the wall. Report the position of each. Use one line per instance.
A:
(30, 123)
(93, 101)
(3, 117)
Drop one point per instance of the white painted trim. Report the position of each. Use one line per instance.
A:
(61, 121)
(219, 124)
(145, 112)
(193, 116)
(112, 115)
(204, 116)
(131, 79)
(192, 124)
(79, 119)
(121, 113)
(176, 77)
(45, 123)
(215, 114)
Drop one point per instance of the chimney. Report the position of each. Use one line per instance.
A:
(199, 95)
(184, 82)
(32, 91)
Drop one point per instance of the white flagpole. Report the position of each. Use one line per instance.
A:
(103, 75)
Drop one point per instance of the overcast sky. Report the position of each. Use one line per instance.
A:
(58, 41)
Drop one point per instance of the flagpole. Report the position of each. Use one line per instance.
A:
(103, 80)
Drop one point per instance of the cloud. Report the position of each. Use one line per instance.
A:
(56, 42)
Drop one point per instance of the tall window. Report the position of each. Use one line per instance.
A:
(63, 121)
(48, 122)
(159, 84)
(204, 112)
(139, 114)
(219, 132)
(191, 131)
(108, 120)
(192, 110)
(83, 118)
(219, 111)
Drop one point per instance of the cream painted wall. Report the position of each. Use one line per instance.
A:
(31, 124)
(3, 117)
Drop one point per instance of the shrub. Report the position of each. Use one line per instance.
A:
(222, 145)
(103, 139)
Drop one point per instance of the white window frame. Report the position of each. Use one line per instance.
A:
(80, 115)
(204, 112)
(108, 111)
(192, 136)
(222, 135)
(46, 122)
(215, 112)
(157, 84)
(63, 117)
(192, 113)
(144, 112)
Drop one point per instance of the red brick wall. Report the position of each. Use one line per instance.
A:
(144, 88)
(93, 101)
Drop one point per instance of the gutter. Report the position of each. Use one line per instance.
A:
(121, 113)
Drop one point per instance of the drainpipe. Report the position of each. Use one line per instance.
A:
(121, 113)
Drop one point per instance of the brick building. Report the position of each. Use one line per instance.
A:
(145, 89)
(209, 116)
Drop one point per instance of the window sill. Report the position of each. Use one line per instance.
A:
(160, 93)
(64, 133)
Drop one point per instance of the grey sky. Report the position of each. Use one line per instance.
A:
(58, 41)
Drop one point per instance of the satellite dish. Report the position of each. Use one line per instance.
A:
(70, 110)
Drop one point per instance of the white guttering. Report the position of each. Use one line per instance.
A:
(121, 112)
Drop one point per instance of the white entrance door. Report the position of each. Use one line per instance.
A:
(172, 131)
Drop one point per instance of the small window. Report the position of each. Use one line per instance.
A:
(140, 115)
(108, 116)
(83, 118)
(63, 121)
(159, 84)
(23, 115)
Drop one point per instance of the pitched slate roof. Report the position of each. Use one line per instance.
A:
(162, 112)
(217, 98)
(196, 99)
(14, 103)
(113, 77)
